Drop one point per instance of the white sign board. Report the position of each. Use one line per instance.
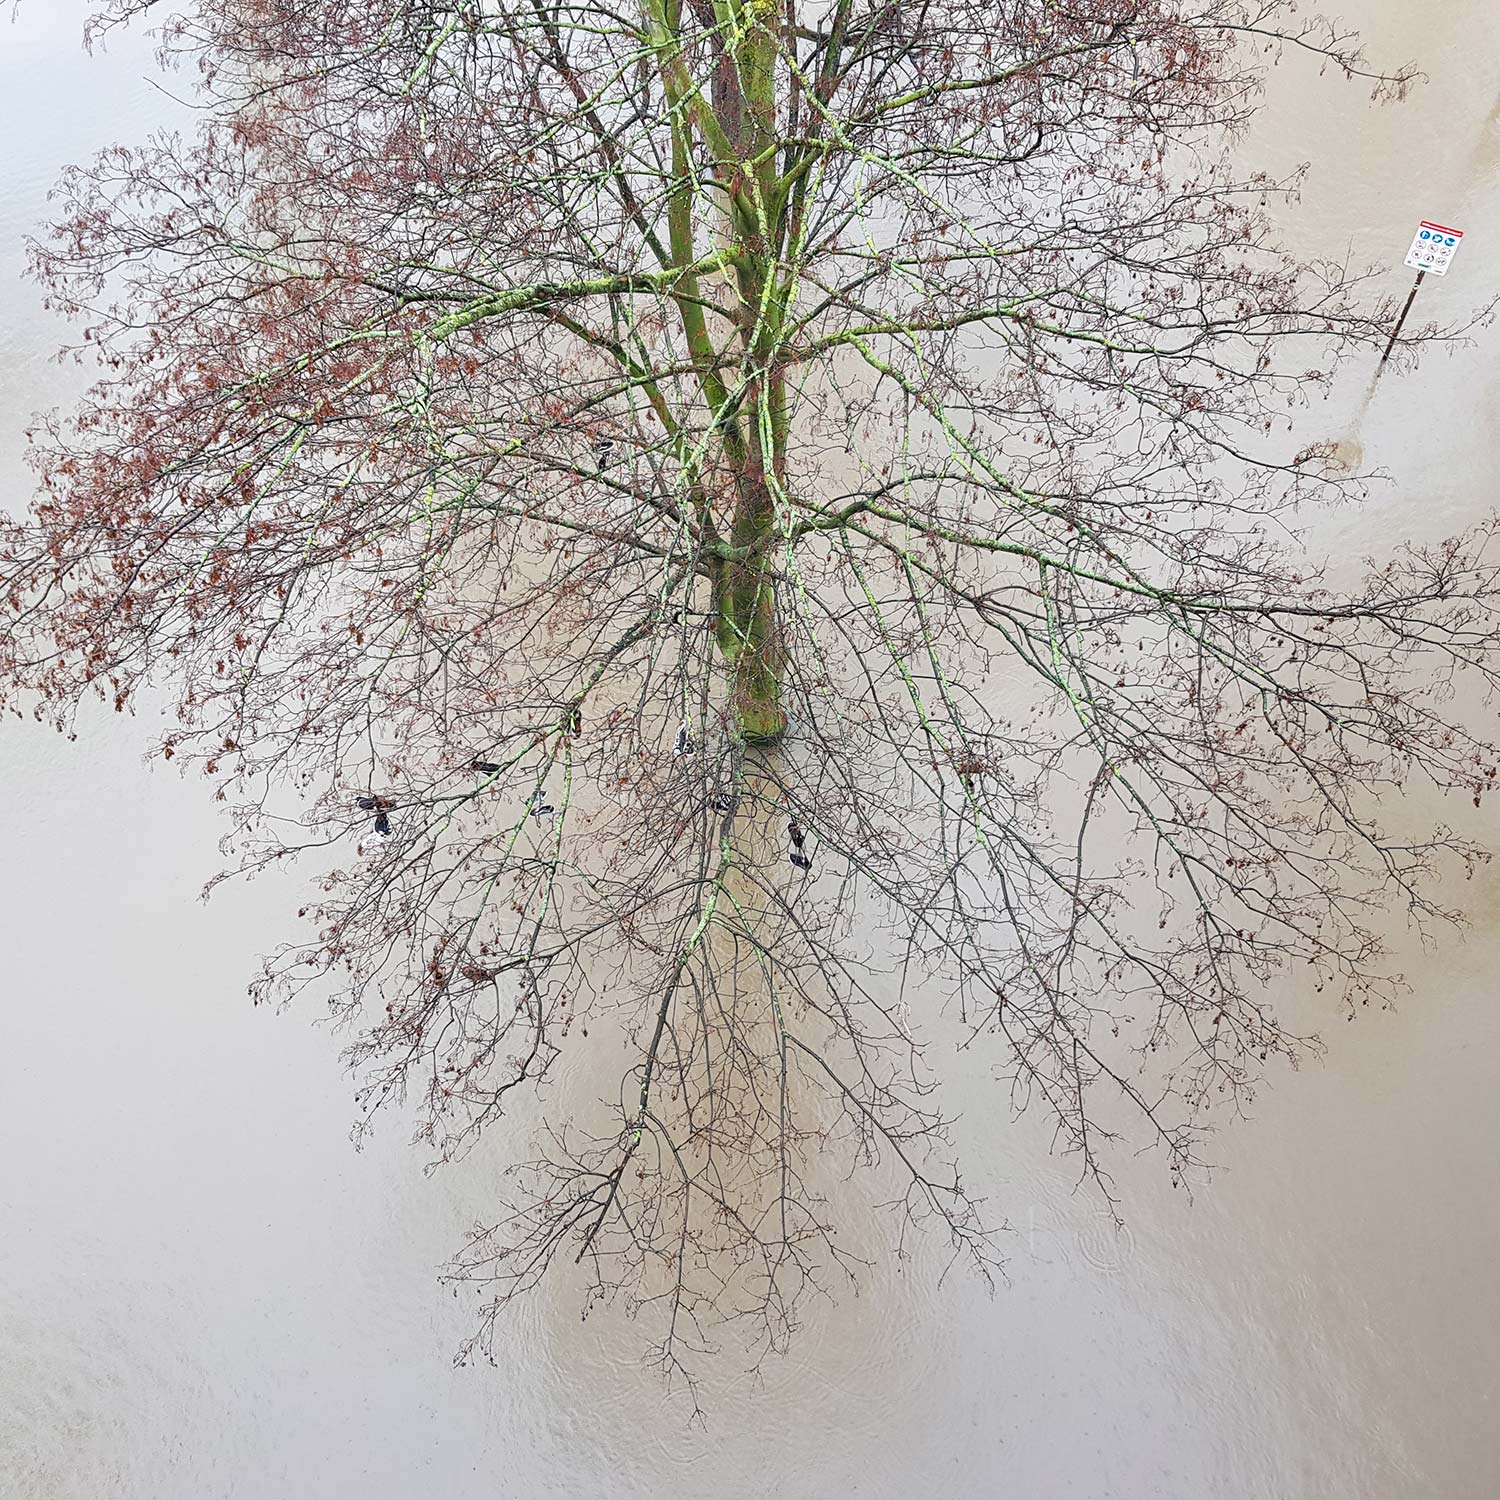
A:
(1433, 248)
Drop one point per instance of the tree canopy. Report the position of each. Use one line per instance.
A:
(766, 531)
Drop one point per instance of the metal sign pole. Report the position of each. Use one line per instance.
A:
(1401, 321)
(1432, 249)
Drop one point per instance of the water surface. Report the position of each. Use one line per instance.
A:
(205, 1292)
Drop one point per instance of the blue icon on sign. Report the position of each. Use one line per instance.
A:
(1450, 240)
(1426, 235)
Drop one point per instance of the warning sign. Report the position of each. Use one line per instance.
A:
(1433, 248)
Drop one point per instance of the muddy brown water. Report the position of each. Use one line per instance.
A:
(205, 1292)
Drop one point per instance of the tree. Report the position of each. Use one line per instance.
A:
(766, 533)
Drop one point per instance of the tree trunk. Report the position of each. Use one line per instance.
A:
(748, 630)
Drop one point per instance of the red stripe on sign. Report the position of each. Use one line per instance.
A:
(1428, 224)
